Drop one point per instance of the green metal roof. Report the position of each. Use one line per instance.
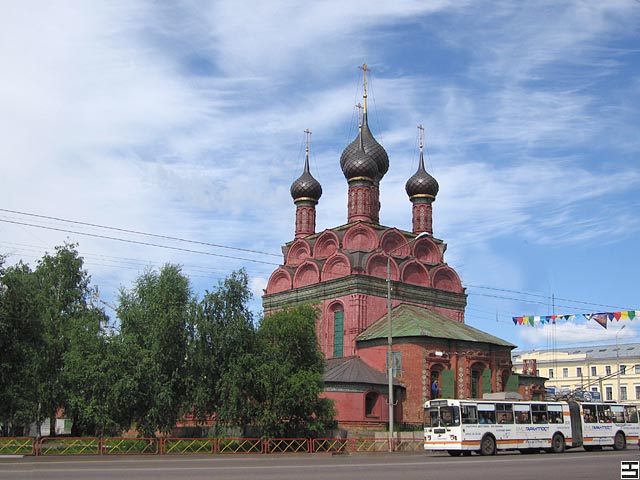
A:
(412, 321)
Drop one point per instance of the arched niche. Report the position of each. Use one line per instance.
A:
(306, 274)
(336, 266)
(326, 245)
(298, 253)
(335, 306)
(415, 273)
(427, 251)
(444, 278)
(394, 241)
(360, 237)
(280, 281)
(377, 267)
(372, 404)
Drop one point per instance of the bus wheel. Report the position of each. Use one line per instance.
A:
(488, 445)
(620, 443)
(454, 453)
(557, 443)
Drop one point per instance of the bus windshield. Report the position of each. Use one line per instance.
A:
(442, 416)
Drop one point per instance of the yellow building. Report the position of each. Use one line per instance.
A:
(613, 371)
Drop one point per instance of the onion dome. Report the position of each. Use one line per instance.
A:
(306, 186)
(370, 147)
(359, 163)
(421, 183)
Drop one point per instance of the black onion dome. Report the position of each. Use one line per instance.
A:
(371, 147)
(421, 183)
(306, 186)
(360, 165)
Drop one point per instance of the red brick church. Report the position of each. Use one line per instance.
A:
(343, 270)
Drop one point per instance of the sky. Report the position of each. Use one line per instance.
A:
(184, 122)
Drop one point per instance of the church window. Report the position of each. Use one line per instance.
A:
(338, 333)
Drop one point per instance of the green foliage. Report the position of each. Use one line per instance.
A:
(288, 377)
(38, 311)
(150, 390)
(221, 336)
(20, 338)
(173, 354)
(89, 375)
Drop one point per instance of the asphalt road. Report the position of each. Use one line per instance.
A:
(381, 466)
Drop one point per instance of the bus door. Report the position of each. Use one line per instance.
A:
(575, 416)
(632, 426)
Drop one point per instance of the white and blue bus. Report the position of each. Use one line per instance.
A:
(461, 427)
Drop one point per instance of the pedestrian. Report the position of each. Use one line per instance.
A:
(434, 389)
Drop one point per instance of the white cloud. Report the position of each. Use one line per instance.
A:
(187, 120)
(576, 333)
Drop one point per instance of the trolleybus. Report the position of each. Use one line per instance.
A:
(485, 426)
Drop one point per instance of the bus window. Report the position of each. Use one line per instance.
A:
(604, 414)
(539, 413)
(504, 412)
(589, 412)
(617, 412)
(631, 414)
(522, 413)
(486, 413)
(431, 417)
(555, 414)
(450, 416)
(469, 414)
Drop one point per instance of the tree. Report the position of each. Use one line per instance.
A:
(37, 309)
(222, 335)
(20, 342)
(150, 391)
(288, 379)
(90, 371)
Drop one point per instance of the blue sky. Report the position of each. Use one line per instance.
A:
(186, 120)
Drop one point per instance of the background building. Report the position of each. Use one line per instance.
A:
(611, 370)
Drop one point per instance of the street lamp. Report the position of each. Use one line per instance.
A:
(618, 362)
(390, 338)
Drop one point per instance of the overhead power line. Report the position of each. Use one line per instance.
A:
(124, 230)
(137, 242)
(540, 296)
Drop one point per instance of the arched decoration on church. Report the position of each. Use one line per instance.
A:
(326, 245)
(377, 267)
(306, 274)
(360, 237)
(416, 273)
(280, 281)
(298, 253)
(336, 266)
(426, 250)
(393, 241)
(444, 278)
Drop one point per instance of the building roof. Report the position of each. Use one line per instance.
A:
(413, 321)
(353, 370)
(593, 352)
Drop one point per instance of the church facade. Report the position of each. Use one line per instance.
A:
(361, 274)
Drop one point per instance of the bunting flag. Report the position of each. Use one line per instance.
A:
(601, 318)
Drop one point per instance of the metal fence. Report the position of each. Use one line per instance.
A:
(192, 446)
